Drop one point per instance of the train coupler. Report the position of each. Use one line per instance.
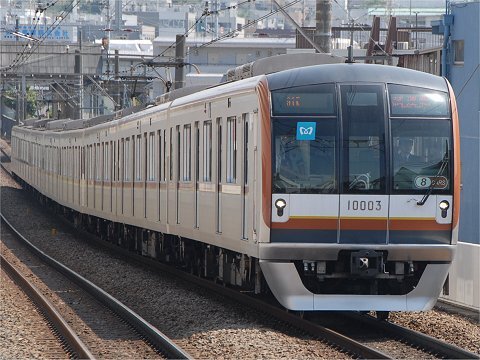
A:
(366, 263)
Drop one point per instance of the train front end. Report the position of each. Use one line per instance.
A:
(361, 190)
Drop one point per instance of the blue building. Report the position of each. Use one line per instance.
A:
(463, 59)
(461, 65)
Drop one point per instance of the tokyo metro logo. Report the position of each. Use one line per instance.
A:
(306, 130)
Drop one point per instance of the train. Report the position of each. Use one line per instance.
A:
(333, 186)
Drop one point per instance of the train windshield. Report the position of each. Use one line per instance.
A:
(304, 139)
(304, 160)
(363, 118)
(421, 155)
(310, 157)
(421, 140)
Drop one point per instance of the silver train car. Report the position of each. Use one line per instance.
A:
(335, 187)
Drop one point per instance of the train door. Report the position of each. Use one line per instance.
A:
(58, 160)
(110, 173)
(164, 178)
(72, 175)
(106, 177)
(77, 175)
(177, 174)
(137, 178)
(218, 177)
(82, 182)
(173, 176)
(196, 172)
(122, 157)
(244, 176)
(146, 157)
(96, 150)
(170, 179)
(114, 172)
(127, 177)
(160, 174)
(363, 199)
(101, 175)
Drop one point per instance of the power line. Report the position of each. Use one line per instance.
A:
(230, 34)
(24, 56)
(350, 19)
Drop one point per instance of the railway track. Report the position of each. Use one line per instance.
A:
(416, 339)
(67, 337)
(328, 335)
(391, 338)
(133, 337)
(400, 342)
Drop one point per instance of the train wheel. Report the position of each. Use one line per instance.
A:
(382, 315)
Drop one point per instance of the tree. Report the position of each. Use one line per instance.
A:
(10, 100)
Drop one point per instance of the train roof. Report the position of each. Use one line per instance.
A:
(353, 73)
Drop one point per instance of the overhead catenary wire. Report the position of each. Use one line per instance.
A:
(25, 55)
(228, 35)
(361, 26)
(205, 13)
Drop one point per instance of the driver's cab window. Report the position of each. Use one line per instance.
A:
(421, 154)
(304, 165)
(421, 131)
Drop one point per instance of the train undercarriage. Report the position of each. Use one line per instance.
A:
(316, 281)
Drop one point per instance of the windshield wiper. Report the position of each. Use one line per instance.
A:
(443, 165)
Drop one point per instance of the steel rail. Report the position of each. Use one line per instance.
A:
(158, 340)
(74, 344)
(424, 341)
(346, 344)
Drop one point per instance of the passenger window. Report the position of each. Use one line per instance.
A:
(207, 151)
(126, 154)
(231, 149)
(187, 163)
(138, 157)
(151, 157)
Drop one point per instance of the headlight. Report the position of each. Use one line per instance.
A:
(280, 205)
(444, 206)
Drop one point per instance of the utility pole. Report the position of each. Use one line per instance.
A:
(416, 29)
(79, 71)
(118, 15)
(323, 27)
(180, 58)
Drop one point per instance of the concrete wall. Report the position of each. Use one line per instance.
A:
(48, 58)
(464, 276)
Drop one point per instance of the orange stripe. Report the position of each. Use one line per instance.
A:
(138, 185)
(266, 137)
(185, 186)
(413, 225)
(152, 185)
(363, 224)
(308, 224)
(456, 157)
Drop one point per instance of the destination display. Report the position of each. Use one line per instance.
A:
(308, 100)
(417, 102)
